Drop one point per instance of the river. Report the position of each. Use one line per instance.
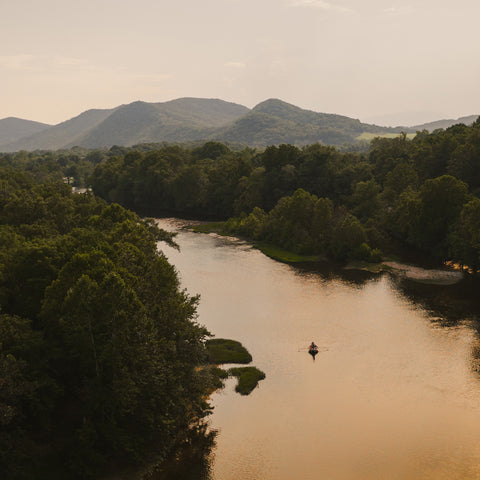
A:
(393, 394)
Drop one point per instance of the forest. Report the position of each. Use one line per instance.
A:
(422, 193)
(99, 344)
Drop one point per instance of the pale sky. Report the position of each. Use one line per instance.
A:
(361, 58)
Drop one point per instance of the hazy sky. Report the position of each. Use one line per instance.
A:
(361, 58)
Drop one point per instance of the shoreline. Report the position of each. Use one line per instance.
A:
(432, 276)
(415, 273)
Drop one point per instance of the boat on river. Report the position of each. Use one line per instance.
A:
(313, 351)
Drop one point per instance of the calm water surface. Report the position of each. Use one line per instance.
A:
(395, 393)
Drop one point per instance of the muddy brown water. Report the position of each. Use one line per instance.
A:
(393, 394)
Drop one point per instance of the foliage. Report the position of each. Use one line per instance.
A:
(191, 459)
(313, 200)
(218, 376)
(98, 344)
(285, 256)
(221, 351)
(248, 378)
(465, 235)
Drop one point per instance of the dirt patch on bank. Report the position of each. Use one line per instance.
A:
(419, 274)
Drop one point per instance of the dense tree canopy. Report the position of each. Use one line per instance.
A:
(99, 345)
(414, 191)
(411, 190)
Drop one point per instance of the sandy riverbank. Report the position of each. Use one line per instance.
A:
(419, 274)
(435, 276)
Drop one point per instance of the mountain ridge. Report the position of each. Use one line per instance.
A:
(445, 123)
(13, 128)
(187, 119)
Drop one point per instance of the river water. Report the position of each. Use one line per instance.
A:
(393, 394)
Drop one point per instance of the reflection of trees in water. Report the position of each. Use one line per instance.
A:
(191, 460)
(447, 304)
(475, 362)
(329, 271)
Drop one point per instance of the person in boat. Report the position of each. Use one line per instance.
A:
(313, 346)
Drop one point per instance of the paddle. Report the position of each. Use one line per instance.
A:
(306, 349)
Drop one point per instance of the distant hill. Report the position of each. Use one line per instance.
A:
(184, 119)
(12, 129)
(62, 135)
(195, 119)
(431, 126)
(181, 120)
(273, 122)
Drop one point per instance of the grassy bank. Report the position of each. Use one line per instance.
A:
(248, 378)
(272, 251)
(221, 351)
(212, 227)
(286, 256)
(392, 264)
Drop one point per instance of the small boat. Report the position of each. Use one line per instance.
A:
(313, 351)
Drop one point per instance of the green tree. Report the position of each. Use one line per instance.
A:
(441, 201)
(365, 199)
(465, 237)
(299, 223)
(347, 237)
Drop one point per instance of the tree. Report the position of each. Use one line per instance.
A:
(99, 344)
(299, 223)
(465, 237)
(347, 237)
(365, 200)
(441, 201)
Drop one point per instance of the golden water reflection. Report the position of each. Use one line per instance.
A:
(394, 395)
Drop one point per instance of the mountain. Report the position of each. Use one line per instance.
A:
(180, 120)
(12, 129)
(271, 122)
(406, 118)
(60, 136)
(431, 126)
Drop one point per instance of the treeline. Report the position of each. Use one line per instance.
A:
(395, 191)
(73, 166)
(421, 192)
(305, 224)
(98, 344)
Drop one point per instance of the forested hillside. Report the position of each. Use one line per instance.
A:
(64, 134)
(12, 129)
(198, 119)
(99, 345)
(184, 119)
(445, 123)
(274, 122)
(421, 192)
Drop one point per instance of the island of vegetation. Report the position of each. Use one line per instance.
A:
(248, 378)
(222, 351)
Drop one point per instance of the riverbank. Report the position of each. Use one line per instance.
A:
(431, 276)
(272, 251)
